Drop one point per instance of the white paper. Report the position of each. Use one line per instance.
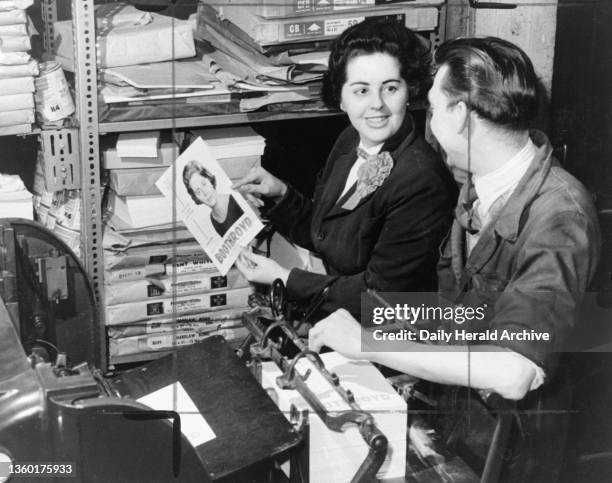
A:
(138, 144)
(222, 243)
(174, 398)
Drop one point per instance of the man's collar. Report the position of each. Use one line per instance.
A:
(489, 187)
(508, 223)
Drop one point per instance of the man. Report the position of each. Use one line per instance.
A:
(525, 244)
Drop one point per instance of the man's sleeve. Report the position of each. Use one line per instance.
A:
(551, 275)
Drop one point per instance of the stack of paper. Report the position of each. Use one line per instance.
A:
(15, 199)
(238, 149)
(140, 211)
(179, 81)
(17, 69)
(231, 142)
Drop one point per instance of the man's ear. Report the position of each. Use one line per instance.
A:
(460, 115)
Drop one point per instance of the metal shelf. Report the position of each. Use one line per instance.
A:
(33, 132)
(211, 120)
(224, 119)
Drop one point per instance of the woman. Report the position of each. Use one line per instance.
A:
(376, 220)
(201, 186)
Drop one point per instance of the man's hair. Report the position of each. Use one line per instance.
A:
(377, 36)
(191, 168)
(493, 77)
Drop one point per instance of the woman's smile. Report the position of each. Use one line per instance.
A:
(377, 121)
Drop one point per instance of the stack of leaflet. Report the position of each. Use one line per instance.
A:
(15, 199)
(161, 290)
(164, 296)
(17, 69)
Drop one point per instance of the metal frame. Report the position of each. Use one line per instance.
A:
(86, 87)
(49, 16)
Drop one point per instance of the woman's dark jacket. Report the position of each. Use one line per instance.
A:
(388, 242)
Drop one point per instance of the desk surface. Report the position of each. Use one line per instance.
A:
(248, 426)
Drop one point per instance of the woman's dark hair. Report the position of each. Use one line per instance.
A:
(373, 36)
(494, 78)
(191, 168)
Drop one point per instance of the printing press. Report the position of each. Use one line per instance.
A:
(57, 406)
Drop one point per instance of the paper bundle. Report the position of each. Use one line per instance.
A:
(128, 37)
(17, 69)
(15, 199)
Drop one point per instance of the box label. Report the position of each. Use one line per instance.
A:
(331, 27)
(218, 282)
(218, 300)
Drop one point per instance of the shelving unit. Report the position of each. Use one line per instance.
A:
(89, 129)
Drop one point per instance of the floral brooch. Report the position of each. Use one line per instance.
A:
(370, 176)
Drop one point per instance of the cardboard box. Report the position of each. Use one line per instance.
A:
(293, 8)
(316, 27)
(336, 457)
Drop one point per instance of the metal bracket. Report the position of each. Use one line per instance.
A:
(60, 152)
(492, 5)
(53, 276)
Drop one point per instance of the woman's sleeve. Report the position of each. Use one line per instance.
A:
(404, 257)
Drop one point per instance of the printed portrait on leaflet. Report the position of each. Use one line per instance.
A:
(201, 186)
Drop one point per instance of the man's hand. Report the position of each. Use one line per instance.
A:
(259, 269)
(340, 332)
(260, 183)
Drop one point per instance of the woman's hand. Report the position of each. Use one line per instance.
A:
(260, 183)
(340, 332)
(259, 269)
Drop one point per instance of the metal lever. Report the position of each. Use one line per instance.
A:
(492, 5)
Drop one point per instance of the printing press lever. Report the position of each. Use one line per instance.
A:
(277, 337)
